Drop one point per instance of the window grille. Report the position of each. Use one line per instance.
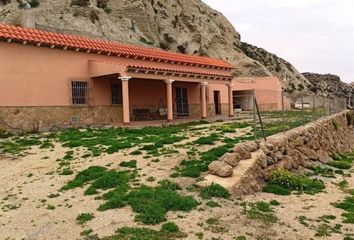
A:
(116, 92)
(79, 91)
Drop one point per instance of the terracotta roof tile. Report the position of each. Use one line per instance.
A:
(73, 41)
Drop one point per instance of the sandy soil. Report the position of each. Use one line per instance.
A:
(26, 183)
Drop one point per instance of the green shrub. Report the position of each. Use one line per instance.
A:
(340, 164)
(111, 179)
(84, 217)
(259, 211)
(348, 205)
(50, 207)
(114, 199)
(209, 140)
(348, 238)
(263, 207)
(136, 152)
(130, 164)
(323, 171)
(67, 172)
(212, 204)
(169, 227)
(291, 182)
(274, 203)
(86, 232)
(85, 176)
(144, 234)
(152, 204)
(241, 238)
(276, 189)
(214, 190)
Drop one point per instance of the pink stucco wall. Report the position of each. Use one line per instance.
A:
(268, 91)
(39, 76)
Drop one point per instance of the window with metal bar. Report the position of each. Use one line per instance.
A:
(116, 92)
(79, 92)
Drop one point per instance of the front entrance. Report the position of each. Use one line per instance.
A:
(217, 102)
(181, 102)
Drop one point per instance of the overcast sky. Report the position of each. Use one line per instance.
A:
(314, 35)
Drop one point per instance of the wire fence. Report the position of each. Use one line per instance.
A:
(277, 111)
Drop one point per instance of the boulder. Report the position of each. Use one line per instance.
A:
(243, 151)
(220, 169)
(308, 152)
(270, 161)
(323, 156)
(262, 159)
(278, 156)
(233, 159)
(251, 146)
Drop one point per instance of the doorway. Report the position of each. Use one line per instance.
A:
(181, 102)
(217, 102)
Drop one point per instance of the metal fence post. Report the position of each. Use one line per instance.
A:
(283, 108)
(254, 115)
(314, 103)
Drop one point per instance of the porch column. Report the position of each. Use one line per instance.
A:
(204, 100)
(169, 99)
(231, 100)
(125, 97)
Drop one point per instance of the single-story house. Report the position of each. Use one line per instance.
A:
(267, 91)
(52, 79)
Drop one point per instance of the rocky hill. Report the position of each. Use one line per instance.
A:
(293, 79)
(329, 85)
(187, 26)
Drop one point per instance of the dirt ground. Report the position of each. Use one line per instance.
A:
(29, 211)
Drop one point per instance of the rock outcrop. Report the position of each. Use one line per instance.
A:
(187, 26)
(329, 85)
(292, 79)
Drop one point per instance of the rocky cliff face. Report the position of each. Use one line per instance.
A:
(293, 79)
(329, 85)
(187, 26)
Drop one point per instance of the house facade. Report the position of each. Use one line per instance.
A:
(50, 79)
(267, 91)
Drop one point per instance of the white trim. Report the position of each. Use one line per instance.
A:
(124, 78)
(169, 81)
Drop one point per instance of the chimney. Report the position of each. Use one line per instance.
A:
(28, 17)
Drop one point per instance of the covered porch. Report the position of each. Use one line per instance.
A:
(153, 94)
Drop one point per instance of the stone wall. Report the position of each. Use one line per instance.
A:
(43, 118)
(297, 148)
(224, 109)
